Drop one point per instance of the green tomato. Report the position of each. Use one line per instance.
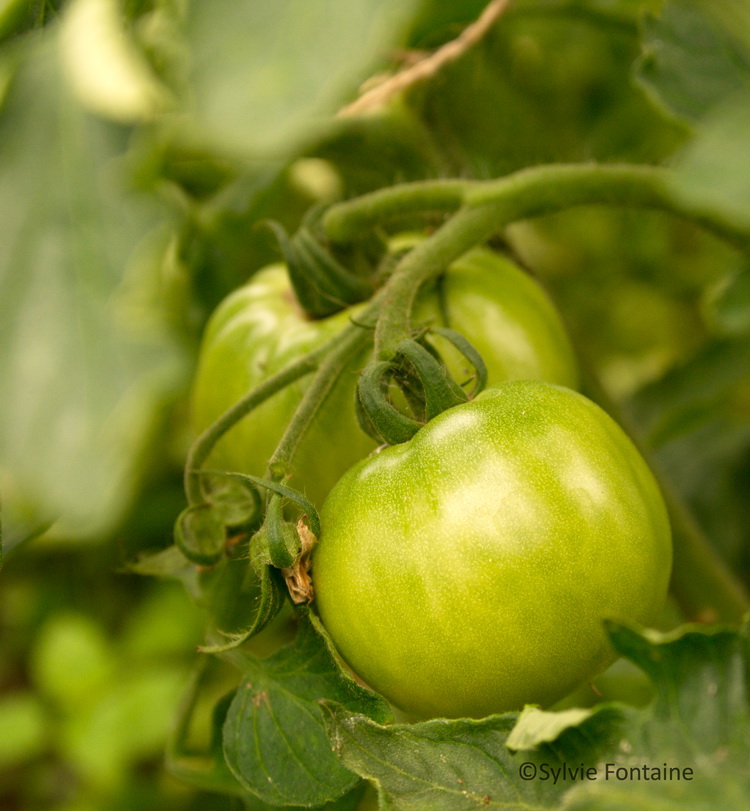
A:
(469, 571)
(259, 329)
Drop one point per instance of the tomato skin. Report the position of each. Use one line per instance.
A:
(259, 329)
(505, 315)
(468, 571)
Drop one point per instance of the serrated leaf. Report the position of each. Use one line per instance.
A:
(432, 765)
(697, 726)
(262, 77)
(275, 738)
(535, 726)
(86, 355)
(691, 61)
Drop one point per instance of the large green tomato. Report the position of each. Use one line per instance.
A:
(259, 329)
(469, 570)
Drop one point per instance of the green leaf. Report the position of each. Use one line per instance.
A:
(440, 764)
(697, 64)
(695, 418)
(691, 61)
(558, 75)
(730, 309)
(87, 358)
(698, 723)
(699, 720)
(713, 170)
(275, 739)
(105, 69)
(262, 77)
(165, 563)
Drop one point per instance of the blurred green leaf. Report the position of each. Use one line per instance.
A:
(699, 720)
(275, 741)
(72, 661)
(127, 723)
(86, 354)
(104, 67)
(714, 168)
(23, 728)
(691, 61)
(261, 82)
(730, 307)
(550, 82)
(162, 624)
(697, 420)
(18, 16)
(696, 63)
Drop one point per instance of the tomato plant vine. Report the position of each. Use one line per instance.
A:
(390, 390)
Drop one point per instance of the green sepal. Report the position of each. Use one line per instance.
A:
(470, 353)
(276, 487)
(265, 583)
(237, 504)
(322, 285)
(375, 412)
(282, 538)
(440, 390)
(199, 534)
(424, 381)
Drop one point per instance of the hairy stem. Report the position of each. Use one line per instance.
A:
(349, 343)
(204, 444)
(531, 193)
(427, 259)
(344, 222)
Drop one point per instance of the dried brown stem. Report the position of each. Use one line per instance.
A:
(427, 67)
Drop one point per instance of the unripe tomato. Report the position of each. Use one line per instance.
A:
(260, 328)
(469, 571)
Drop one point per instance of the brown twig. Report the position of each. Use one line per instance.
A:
(428, 66)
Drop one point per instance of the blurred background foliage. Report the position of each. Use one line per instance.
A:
(131, 205)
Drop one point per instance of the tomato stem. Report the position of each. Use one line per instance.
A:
(347, 345)
(204, 444)
(427, 259)
(483, 207)
(528, 193)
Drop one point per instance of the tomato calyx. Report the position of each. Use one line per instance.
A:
(322, 284)
(425, 382)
